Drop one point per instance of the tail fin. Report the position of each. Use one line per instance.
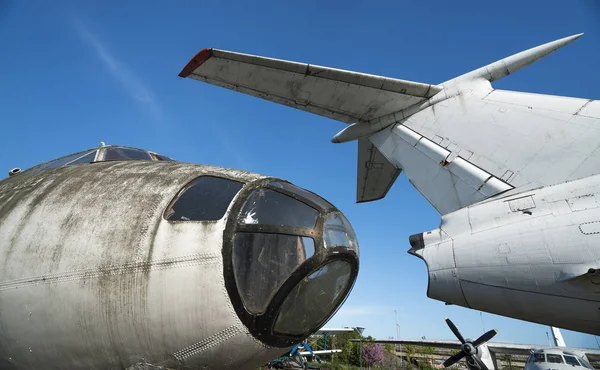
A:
(557, 337)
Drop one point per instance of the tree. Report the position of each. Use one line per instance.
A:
(427, 350)
(372, 354)
(350, 350)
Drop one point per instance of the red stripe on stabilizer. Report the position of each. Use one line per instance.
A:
(196, 62)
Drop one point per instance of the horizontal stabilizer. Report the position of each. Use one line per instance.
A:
(334, 93)
(375, 175)
(513, 63)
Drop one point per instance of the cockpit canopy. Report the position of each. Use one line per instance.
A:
(103, 153)
(558, 357)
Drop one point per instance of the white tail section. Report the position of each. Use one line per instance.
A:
(557, 337)
(458, 142)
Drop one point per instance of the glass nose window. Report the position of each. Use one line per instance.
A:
(338, 233)
(263, 262)
(291, 258)
(268, 207)
(314, 299)
(264, 259)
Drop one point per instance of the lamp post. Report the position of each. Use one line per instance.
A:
(360, 332)
(396, 317)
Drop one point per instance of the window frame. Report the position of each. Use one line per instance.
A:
(558, 356)
(577, 362)
(536, 354)
(87, 153)
(101, 156)
(188, 185)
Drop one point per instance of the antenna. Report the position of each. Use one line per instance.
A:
(481, 317)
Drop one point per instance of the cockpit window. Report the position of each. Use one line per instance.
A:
(338, 232)
(57, 162)
(88, 158)
(265, 206)
(538, 357)
(266, 261)
(204, 199)
(571, 360)
(554, 359)
(163, 158)
(125, 154)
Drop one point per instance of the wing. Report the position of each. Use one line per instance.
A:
(334, 93)
(375, 174)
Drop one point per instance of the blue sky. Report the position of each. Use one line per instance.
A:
(77, 73)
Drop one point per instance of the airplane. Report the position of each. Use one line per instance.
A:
(480, 354)
(515, 176)
(298, 354)
(116, 256)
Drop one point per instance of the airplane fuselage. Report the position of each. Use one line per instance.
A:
(532, 255)
(92, 276)
(107, 264)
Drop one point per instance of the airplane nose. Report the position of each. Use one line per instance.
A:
(290, 258)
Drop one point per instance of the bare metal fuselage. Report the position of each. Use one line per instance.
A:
(538, 250)
(92, 275)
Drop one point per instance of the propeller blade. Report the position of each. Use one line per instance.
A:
(479, 362)
(454, 359)
(485, 337)
(455, 330)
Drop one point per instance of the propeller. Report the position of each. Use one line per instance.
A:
(468, 348)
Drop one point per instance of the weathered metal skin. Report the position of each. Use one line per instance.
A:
(536, 249)
(92, 275)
